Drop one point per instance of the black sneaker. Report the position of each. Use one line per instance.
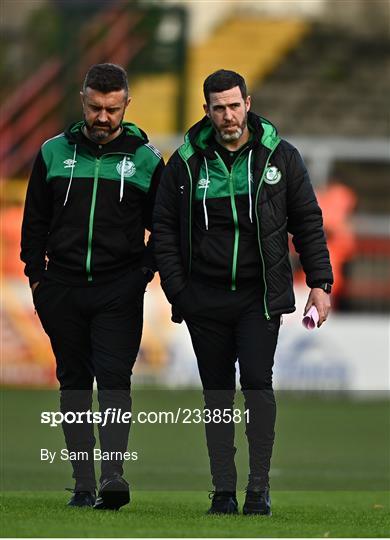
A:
(113, 493)
(82, 498)
(223, 502)
(257, 502)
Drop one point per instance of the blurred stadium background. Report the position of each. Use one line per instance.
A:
(319, 70)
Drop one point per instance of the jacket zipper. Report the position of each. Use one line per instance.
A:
(236, 230)
(235, 220)
(190, 219)
(267, 315)
(91, 218)
(92, 210)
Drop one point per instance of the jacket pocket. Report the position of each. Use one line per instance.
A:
(112, 245)
(213, 255)
(68, 246)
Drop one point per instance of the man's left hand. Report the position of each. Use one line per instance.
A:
(321, 300)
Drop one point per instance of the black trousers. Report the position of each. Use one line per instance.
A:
(226, 326)
(95, 332)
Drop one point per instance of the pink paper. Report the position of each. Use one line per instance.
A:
(311, 318)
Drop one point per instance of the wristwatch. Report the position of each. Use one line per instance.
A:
(327, 287)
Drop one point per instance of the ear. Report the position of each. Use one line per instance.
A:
(82, 98)
(248, 103)
(128, 102)
(206, 110)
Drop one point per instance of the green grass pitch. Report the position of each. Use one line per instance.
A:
(329, 477)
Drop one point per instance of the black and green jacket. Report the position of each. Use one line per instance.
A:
(232, 226)
(87, 207)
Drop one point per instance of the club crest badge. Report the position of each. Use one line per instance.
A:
(272, 175)
(128, 168)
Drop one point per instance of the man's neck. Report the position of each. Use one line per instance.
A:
(234, 145)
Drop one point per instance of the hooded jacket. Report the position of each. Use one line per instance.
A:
(280, 199)
(87, 207)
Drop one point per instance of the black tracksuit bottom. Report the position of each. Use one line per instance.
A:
(225, 326)
(95, 332)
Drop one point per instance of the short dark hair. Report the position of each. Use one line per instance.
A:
(222, 80)
(106, 78)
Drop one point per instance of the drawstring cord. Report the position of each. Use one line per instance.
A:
(71, 174)
(250, 186)
(206, 217)
(122, 179)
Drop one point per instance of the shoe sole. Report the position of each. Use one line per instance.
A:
(114, 496)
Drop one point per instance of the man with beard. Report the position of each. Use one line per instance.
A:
(227, 200)
(89, 199)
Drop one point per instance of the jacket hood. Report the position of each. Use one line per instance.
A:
(197, 137)
(127, 142)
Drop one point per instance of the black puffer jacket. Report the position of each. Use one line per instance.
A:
(284, 202)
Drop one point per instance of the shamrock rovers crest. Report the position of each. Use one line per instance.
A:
(128, 168)
(272, 175)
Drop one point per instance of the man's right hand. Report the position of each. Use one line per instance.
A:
(34, 286)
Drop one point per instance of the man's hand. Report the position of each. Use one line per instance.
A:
(34, 286)
(321, 300)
